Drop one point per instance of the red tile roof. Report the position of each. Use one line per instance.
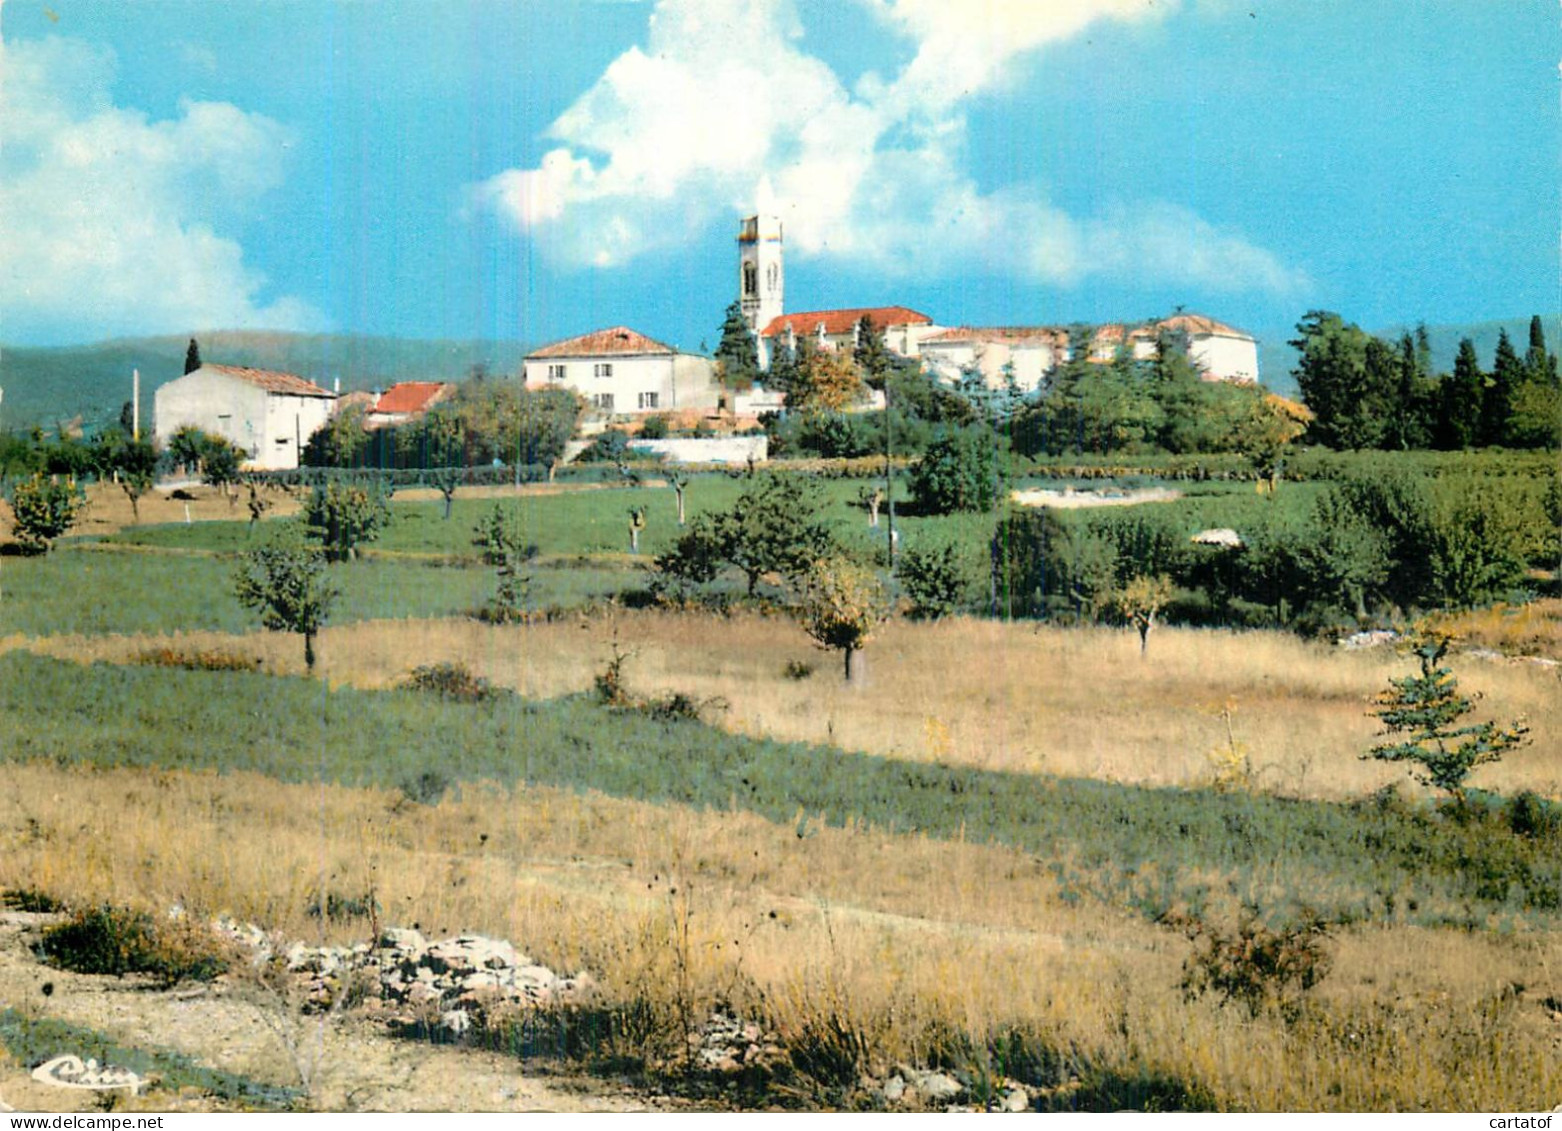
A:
(616, 340)
(842, 321)
(1013, 335)
(410, 396)
(1198, 325)
(271, 381)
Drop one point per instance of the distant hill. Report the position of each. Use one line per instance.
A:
(48, 386)
(1276, 358)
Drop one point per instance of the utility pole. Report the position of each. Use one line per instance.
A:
(135, 405)
(889, 474)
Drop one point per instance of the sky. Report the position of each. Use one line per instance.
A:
(533, 170)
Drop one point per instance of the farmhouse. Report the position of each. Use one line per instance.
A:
(405, 401)
(621, 371)
(904, 329)
(267, 415)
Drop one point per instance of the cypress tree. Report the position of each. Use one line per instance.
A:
(1497, 393)
(736, 351)
(1461, 399)
(192, 357)
(1541, 365)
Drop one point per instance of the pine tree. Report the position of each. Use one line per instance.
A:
(1421, 710)
(1461, 396)
(192, 357)
(1497, 394)
(1542, 366)
(736, 351)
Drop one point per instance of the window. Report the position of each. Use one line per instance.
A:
(772, 277)
(602, 369)
(555, 372)
(650, 400)
(750, 279)
(603, 401)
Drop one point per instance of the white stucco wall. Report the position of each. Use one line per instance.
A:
(268, 427)
(1032, 362)
(717, 449)
(638, 383)
(1226, 358)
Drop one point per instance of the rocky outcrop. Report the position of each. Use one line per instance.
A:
(407, 977)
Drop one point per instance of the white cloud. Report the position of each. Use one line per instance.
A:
(109, 222)
(679, 135)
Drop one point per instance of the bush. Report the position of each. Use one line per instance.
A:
(344, 516)
(115, 940)
(195, 660)
(426, 788)
(44, 508)
(935, 580)
(962, 471)
(654, 428)
(612, 446)
(453, 681)
(1254, 964)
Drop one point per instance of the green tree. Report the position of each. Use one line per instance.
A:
(1498, 393)
(285, 581)
(937, 581)
(131, 463)
(343, 516)
(501, 536)
(840, 606)
(962, 471)
(737, 352)
(341, 441)
(824, 381)
(185, 448)
(1460, 400)
(1420, 713)
(1541, 364)
(220, 461)
(1348, 396)
(192, 357)
(1141, 601)
(769, 530)
(43, 509)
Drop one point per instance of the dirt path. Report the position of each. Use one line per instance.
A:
(355, 1065)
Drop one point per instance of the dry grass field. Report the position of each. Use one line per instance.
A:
(895, 947)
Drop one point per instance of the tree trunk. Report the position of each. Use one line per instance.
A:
(679, 491)
(1145, 624)
(854, 666)
(309, 652)
(449, 498)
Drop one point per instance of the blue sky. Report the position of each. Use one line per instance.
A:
(465, 168)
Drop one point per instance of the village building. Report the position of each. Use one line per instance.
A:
(622, 372)
(405, 401)
(268, 416)
(996, 354)
(1220, 352)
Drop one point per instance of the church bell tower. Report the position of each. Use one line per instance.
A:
(761, 280)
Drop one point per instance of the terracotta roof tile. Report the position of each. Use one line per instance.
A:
(1013, 335)
(271, 381)
(842, 321)
(614, 340)
(410, 396)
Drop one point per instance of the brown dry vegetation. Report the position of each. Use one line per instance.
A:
(903, 932)
(1068, 702)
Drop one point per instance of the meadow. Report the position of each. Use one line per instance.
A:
(1003, 854)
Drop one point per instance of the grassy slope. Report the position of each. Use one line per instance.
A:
(1145, 848)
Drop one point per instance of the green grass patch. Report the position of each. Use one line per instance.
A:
(1150, 849)
(93, 592)
(36, 1040)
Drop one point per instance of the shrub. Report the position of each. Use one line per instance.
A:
(30, 900)
(1254, 964)
(962, 471)
(654, 428)
(427, 787)
(116, 940)
(44, 508)
(453, 681)
(935, 580)
(612, 446)
(195, 660)
(500, 536)
(343, 516)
